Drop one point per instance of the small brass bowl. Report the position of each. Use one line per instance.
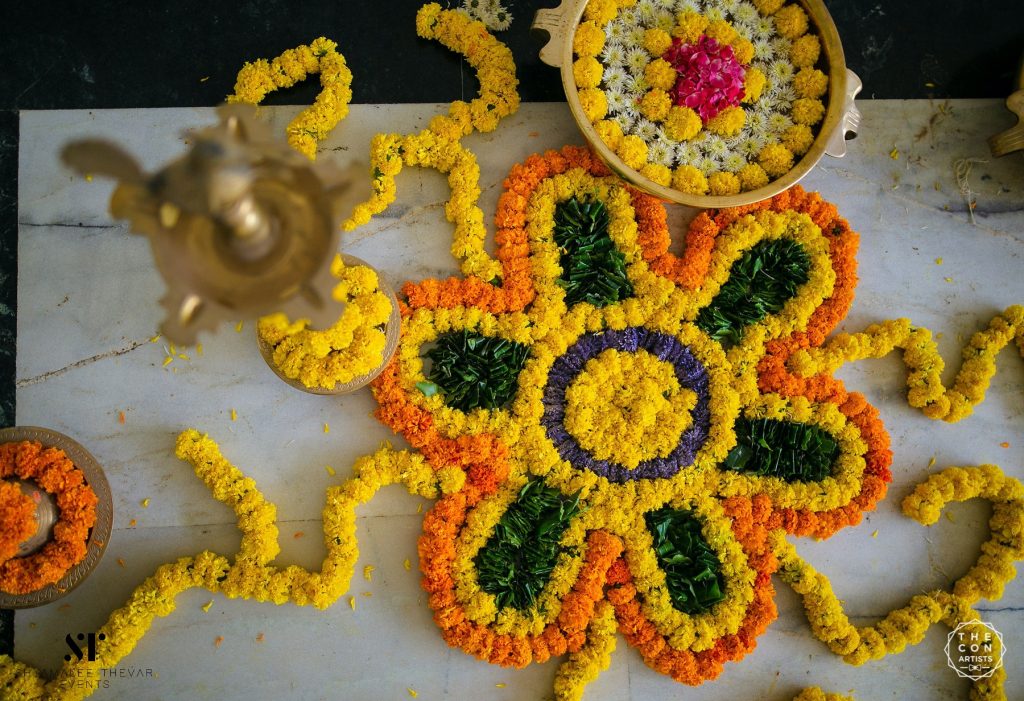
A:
(841, 113)
(47, 513)
(392, 330)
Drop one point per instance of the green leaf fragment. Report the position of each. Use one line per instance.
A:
(476, 371)
(692, 570)
(593, 269)
(794, 452)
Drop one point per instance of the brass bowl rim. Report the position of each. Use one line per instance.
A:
(99, 535)
(834, 112)
(392, 332)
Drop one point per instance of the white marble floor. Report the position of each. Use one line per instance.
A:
(88, 306)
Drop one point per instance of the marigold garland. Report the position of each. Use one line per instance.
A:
(17, 519)
(54, 472)
(350, 348)
(310, 126)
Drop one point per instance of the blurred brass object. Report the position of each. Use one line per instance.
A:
(841, 113)
(1013, 138)
(240, 226)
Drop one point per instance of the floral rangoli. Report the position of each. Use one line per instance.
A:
(619, 438)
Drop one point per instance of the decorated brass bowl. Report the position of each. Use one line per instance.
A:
(47, 513)
(392, 330)
(840, 115)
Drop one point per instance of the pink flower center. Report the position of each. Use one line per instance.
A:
(710, 77)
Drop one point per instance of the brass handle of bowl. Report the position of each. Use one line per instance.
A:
(556, 22)
(850, 121)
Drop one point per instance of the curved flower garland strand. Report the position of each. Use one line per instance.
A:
(815, 694)
(920, 354)
(908, 625)
(310, 126)
(438, 146)
(249, 575)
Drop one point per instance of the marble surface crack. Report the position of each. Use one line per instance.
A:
(78, 364)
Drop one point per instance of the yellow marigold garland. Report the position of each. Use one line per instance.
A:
(260, 77)
(249, 575)
(908, 625)
(920, 354)
(438, 146)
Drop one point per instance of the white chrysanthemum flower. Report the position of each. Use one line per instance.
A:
(714, 146)
(746, 15)
(660, 152)
(617, 102)
(501, 19)
(625, 120)
(665, 20)
(781, 46)
(750, 146)
(687, 6)
(756, 120)
(687, 153)
(615, 31)
(709, 165)
(729, 5)
(645, 10)
(635, 35)
(613, 55)
(764, 28)
(778, 123)
(614, 79)
(637, 60)
(763, 52)
(645, 129)
(714, 13)
(734, 162)
(787, 94)
(781, 71)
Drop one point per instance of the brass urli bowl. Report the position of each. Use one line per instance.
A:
(841, 114)
(392, 330)
(47, 513)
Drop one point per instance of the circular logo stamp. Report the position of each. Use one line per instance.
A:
(974, 649)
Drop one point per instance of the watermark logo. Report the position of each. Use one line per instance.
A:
(975, 650)
(90, 645)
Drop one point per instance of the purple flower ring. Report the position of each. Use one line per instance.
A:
(710, 76)
(689, 371)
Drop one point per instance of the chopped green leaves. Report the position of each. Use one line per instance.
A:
(760, 283)
(476, 371)
(792, 451)
(593, 270)
(518, 558)
(692, 570)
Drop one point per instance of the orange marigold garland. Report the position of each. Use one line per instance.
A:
(17, 519)
(54, 472)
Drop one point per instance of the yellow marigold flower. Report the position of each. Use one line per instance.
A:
(655, 105)
(689, 179)
(660, 73)
(682, 123)
(601, 11)
(805, 51)
(807, 111)
(776, 160)
(723, 183)
(587, 71)
(791, 21)
(588, 40)
(610, 133)
(633, 151)
(657, 41)
(727, 122)
(768, 7)
(721, 31)
(658, 173)
(752, 176)
(753, 85)
(689, 26)
(743, 49)
(594, 102)
(798, 138)
(810, 82)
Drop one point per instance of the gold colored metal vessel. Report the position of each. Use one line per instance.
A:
(841, 113)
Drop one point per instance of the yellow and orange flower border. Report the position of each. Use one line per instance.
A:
(598, 592)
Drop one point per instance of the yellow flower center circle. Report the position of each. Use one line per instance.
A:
(627, 407)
